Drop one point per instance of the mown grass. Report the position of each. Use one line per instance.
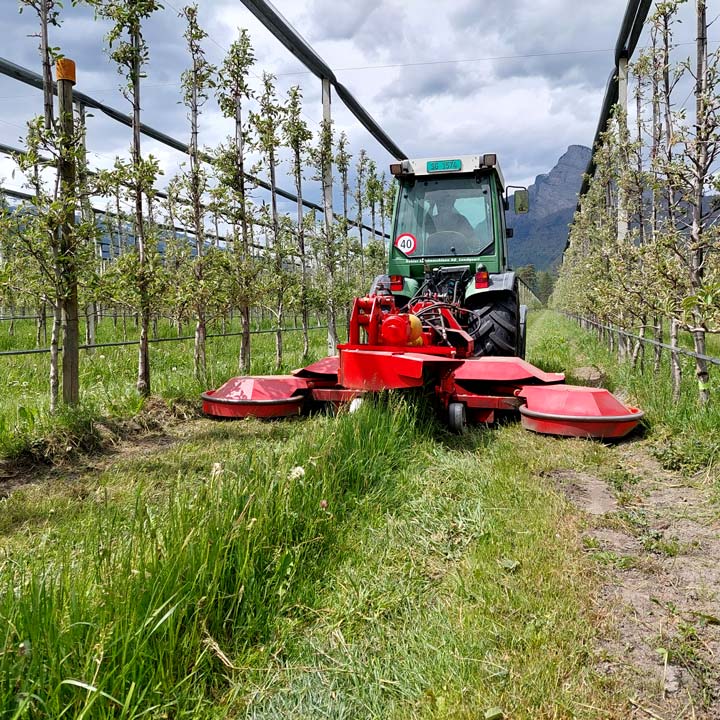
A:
(463, 593)
(685, 434)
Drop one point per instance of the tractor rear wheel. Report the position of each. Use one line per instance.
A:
(497, 331)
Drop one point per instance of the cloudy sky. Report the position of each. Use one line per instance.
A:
(521, 78)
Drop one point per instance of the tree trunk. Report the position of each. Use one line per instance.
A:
(46, 70)
(90, 326)
(675, 367)
(667, 108)
(304, 310)
(327, 160)
(199, 358)
(199, 355)
(41, 326)
(657, 351)
(143, 377)
(700, 170)
(244, 250)
(54, 357)
(279, 257)
(245, 338)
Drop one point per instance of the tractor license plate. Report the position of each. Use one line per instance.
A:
(444, 165)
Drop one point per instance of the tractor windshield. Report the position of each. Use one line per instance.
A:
(446, 216)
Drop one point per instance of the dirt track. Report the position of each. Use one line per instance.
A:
(656, 537)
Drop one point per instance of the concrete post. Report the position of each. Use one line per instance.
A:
(327, 182)
(622, 229)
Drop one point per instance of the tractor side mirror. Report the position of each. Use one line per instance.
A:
(521, 201)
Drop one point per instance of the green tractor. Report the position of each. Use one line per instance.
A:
(449, 244)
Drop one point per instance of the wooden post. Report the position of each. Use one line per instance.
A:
(65, 70)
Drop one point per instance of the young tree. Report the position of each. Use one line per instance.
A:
(342, 163)
(48, 14)
(57, 206)
(297, 137)
(196, 83)
(322, 159)
(267, 123)
(373, 194)
(232, 93)
(361, 169)
(128, 49)
(703, 149)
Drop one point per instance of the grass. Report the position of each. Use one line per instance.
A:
(402, 573)
(369, 565)
(467, 592)
(684, 434)
(428, 578)
(107, 382)
(119, 604)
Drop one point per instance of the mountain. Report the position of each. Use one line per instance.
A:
(540, 235)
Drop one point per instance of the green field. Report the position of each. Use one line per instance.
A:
(364, 566)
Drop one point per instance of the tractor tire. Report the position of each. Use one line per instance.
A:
(497, 331)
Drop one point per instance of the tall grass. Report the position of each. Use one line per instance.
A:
(107, 379)
(148, 609)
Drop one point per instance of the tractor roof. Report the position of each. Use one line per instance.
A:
(448, 165)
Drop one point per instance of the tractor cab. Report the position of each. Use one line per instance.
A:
(449, 239)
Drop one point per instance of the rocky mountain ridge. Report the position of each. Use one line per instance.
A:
(540, 235)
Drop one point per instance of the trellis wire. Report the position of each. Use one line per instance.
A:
(121, 343)
(646, 341)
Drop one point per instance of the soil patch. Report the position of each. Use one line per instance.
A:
(154, 427)
(660, 594)
(588, 492)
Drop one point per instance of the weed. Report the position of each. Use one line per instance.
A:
(688, 453)
(685, 650)
(621, 562)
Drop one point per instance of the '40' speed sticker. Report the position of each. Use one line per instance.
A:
(406, 243)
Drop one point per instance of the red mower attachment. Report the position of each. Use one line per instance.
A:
(576, 411)
(426, 346)
(268, 396)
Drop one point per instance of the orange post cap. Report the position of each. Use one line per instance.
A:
(65, 69)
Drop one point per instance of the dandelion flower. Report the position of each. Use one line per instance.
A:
(297, 473)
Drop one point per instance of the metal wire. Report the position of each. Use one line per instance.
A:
(122, 343)
(646, 341)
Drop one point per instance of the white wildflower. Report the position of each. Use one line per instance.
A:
(296, 473)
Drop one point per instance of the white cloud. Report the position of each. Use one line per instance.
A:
(527, 109)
